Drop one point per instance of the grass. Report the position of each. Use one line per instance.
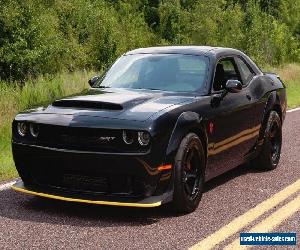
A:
(44, 90)
(290, 74)
(40, 92)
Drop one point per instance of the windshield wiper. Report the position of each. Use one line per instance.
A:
(148, 89)
(103, 87)
(154, 89)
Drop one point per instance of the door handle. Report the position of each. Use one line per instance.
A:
(248, 97)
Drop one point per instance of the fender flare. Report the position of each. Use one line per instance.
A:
(271, 102)
(186, 122)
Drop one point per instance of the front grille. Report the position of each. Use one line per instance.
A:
(85, 139)
(72, 181)
(106, 184)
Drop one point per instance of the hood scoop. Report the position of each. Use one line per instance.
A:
(86, 104)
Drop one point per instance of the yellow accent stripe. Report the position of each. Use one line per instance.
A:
(270, 222)
(243, 220)
(234, 137)
(166, 176)
(109, 203)
(233, 143)
(233, 140)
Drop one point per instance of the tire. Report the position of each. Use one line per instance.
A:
(189, 175)
(269, 156)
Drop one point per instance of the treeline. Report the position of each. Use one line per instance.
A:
(47, 36)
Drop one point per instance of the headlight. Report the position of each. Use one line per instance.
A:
(128, 137)
(34, 130)
(22, 128)
(143, 138)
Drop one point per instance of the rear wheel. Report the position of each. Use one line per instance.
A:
(188, 174)
(270, 154)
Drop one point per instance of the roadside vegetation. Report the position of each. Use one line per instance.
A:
(290, 74)
(46, 37)
(39, 92)
(49, 49)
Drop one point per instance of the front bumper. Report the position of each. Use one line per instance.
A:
(92, 177)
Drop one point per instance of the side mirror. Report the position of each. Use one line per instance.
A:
(93, 80)
(233, 86)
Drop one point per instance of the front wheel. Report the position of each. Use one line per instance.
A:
(270, 154)
(188, 174)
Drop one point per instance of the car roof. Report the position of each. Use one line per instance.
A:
(212, 52)
(187, 50)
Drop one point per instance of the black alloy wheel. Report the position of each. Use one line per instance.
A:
(188, 174)
(191, 176)
(269, 156)
(275, 140)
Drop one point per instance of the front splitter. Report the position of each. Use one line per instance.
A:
(153, 201)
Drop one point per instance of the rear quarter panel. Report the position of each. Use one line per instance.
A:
(269, 92)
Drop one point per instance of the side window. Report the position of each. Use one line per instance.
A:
(225, 70)
(245, 71)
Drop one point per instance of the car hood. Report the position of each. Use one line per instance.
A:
(138, 105)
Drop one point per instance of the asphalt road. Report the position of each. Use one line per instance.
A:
(28, 222)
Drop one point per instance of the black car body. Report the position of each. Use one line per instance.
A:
(77, 151)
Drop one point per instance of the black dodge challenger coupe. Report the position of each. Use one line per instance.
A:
(153, 129)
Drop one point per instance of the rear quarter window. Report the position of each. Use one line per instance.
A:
(246, 72)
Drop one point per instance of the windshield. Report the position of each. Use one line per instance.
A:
(169, 72)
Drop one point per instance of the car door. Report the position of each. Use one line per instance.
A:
(253, 87)
(231, 125)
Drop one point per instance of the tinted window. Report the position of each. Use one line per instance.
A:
(246, 72)
(225, 70)
(170, 72)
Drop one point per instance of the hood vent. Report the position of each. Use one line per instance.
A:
(86, 104)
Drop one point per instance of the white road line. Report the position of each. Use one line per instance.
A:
(7, 185)
(292, 110)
